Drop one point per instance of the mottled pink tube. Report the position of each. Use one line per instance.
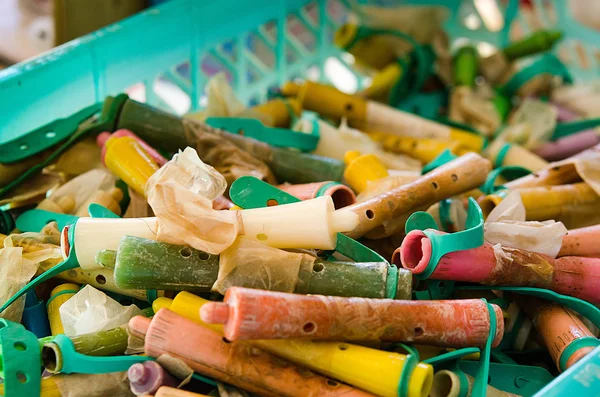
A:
(581, 242)
(341, 195)
(494, 265)
(256, 314)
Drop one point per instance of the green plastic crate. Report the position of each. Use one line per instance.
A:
(173, 42)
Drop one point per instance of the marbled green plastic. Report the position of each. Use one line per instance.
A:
(149, 264)
(166, 132)
(165, 266)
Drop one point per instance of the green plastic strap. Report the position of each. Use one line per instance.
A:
(249, 192)
(151, 295)
(580, 306)
(278, 137)
(45, 137)
(588, 341)
(77, 363)
(444, 213)
(67, 291)
(99, 211)
(20, 360)
(326, 186)
(508, 171)
(68, 264)
(481, 380)
(204, 379)
(436, 290)
(35, 220)
(451, 356)
(106, 122)
(421, 63)
(442, 244)
(445, 157)
(401, 88)
(412, 360)
(391, 282)
(502, 154)
(290, 110)
(543, 64)
(565, 129)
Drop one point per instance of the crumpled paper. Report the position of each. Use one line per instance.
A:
(248, 263)
(587, 164)
(19, 261)
(335, 142)
(222, 102)
(180, 194)
(471, 107)
(532, 124)
(231, 160)
(91, 310)
(582, 98)
(506, 225)
(82, 187)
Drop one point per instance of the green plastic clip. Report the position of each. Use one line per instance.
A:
(250, 192)
(509, 172)
(522, 380)
(411, 361)
(106, 122)
(35, 220)
(68, 264)
(542, 64)
(74, 362)
(565, 129)
(442, 244)
(278, 137)
(45, 137)
(99, 211)
(20, 358)
(445, 157)
(423, 59)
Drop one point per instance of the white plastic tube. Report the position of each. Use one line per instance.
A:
(95, 234)
(307, 224)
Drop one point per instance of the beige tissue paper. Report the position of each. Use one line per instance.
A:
(180, 194)
(506, 225)
(90, 310)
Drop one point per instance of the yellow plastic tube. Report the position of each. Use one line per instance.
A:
(58, 296)
(372, 370)
(500, 153)
(126, 158)
(370, 116)
(278, 112)
(374, 51)
(361, 169)
(383, 82)
(424, 149)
